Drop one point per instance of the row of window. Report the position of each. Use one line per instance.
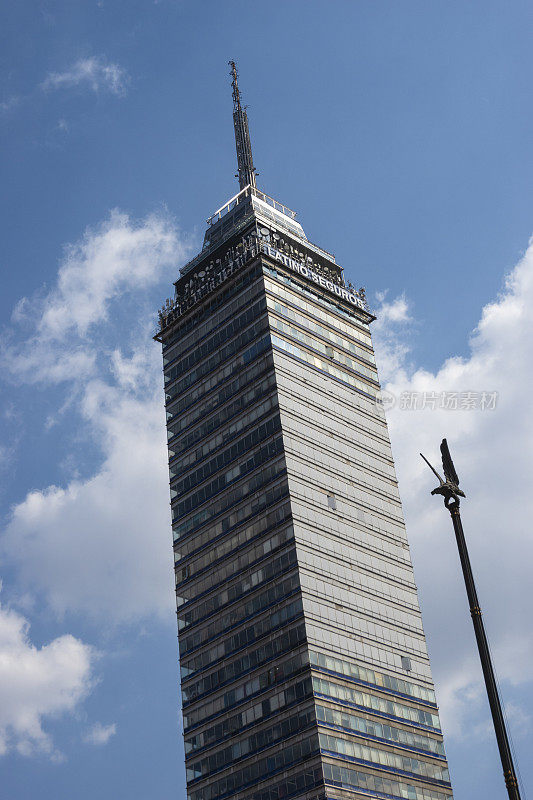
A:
(380, 543)
(191, 401)
(282, 729)
(348, 778)
(351, 622)
(229, 432)
(245, 663)
(380, 679)
(244, 638)
(361, 577)
(353, 327)
(364, 607)
(326, 350)
(222, 354)
(190, 435)
(237, 590)
(295, 784)
(250, 716)
(263, 454)
(231, 498)
(225, 457)
(221, 623)
(261, 682)
(360, 552)
(249, 509)
(324, 366)
(379, 730)
(365, 430)
(208, 381)
(237, 780)
(295, 293)
(207, 311)
(326, 333)
(373, 703)
(220, 549)
(214, 342)
(237, 563)
(374, 755)
(213, 321)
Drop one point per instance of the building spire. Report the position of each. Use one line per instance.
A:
(245, 163)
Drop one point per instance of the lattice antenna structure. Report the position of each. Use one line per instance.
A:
(245, 162)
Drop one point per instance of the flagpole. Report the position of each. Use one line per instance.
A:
(450, 491)
(498, 719)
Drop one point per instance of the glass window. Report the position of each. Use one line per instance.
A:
(360, 348)
(225, 457)
(378, 704)
(370, 676)
(325, 366)
(279, 591)
(311, 341)
(415, 766)
(317, 306)
(378, 730)
(265, 572)
(217, 381)
(197, 498)
(243, 638)
(242, 748)
(240, 778)
(220, 548)
(283, 671)
(232, 670)
(178, 345)
(332, 502)
(373, 783)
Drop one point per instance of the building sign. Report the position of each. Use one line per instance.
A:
(306, 272)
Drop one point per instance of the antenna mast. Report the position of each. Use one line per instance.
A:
(245, 163)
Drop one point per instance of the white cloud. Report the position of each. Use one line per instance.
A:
(94, 72)
(115, 259)
(101, 546)
(100, 734)
(38, 683)
(390, 329)
(492, 451)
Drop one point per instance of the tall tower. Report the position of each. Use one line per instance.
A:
(304, 667)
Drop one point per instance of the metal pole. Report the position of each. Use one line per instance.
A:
(484, 654)
(450, 491)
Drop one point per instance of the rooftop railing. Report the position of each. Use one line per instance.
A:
(243, 195)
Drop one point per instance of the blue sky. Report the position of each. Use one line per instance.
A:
(401, 134)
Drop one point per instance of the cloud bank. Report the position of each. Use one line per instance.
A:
(101, 546)
(492, 452)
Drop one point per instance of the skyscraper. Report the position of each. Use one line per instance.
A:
(303, 660)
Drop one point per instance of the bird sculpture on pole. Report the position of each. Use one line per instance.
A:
(449, 489)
